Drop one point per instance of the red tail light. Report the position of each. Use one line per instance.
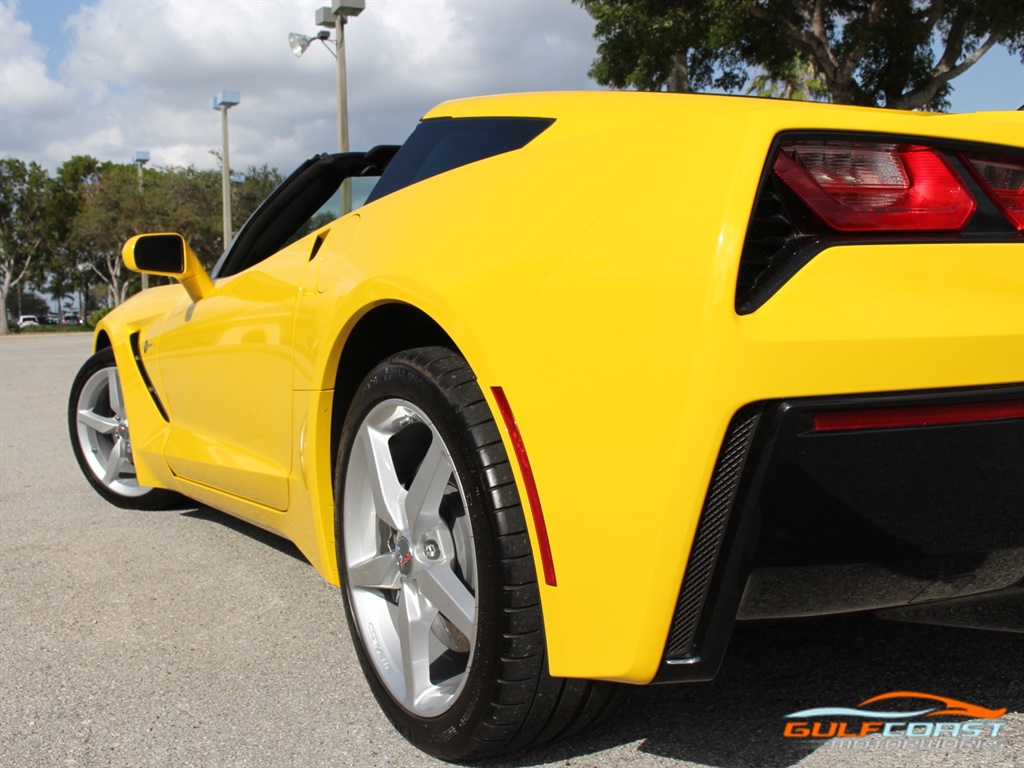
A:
(874, 187)
(1003, 179)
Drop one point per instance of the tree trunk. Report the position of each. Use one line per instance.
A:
(4, 330)
(679, 77)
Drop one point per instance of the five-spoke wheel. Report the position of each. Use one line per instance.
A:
(99, 435)
(411, 564)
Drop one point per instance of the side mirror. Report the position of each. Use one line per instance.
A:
(168, 255)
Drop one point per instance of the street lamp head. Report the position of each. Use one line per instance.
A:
(299, 43)
(347, 7)
(140, 157)
(225, 99)
(325, 18)
(335, 17)
(340, 10)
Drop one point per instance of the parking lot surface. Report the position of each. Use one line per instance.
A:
(186, 638)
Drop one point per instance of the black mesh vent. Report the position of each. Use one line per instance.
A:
(710, 531)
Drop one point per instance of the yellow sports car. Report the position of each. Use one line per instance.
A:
(588, 378)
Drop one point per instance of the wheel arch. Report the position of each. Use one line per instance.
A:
(383, 331)
(101, 342)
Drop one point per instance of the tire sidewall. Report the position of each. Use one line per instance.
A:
(446, 734)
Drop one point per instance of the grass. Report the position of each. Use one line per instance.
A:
(71, 328)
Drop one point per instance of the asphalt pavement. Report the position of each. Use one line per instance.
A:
(186, 638)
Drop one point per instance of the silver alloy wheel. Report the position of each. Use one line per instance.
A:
(410, 559)
(103, 434)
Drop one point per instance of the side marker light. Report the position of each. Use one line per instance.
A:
(547, 562)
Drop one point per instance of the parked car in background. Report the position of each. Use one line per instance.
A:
(589, 378)
(71, 318)
(27, 320)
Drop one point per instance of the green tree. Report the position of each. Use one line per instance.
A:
(893, 53)
(26, 216)
(187, 200)
(800, 83)
(257, 184)
(64, 235)
(112, 210)
(654, 44)
(65, 269)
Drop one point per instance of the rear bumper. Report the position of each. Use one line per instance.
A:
(804, 520)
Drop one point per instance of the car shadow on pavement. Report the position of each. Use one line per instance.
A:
(254, 532)
(771, 670)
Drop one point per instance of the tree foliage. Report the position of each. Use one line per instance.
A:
(651, 44)
(893, 53)
(64, 234)
(113, 210)
(60, 272)
(26, 223)
(259, 182)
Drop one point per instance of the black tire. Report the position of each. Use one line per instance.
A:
(99, 436)
(486, 689)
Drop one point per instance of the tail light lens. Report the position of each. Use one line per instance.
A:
(823, 189)
(1003, 179)
(875, 187)
(918, 416)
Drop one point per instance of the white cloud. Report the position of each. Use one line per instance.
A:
(30, 100)
(101, 143)
(140, 74)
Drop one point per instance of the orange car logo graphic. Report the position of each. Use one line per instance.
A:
(875, 718)
(947, 707)
(951, 706)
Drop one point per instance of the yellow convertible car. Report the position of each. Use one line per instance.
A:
(589, 378)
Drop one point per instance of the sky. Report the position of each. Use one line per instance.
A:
(109, 77)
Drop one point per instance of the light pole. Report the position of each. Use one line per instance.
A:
(335, 18)
(223, 101)
(140, 158)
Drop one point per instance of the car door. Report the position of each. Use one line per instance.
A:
(226, 368)
(226, 361)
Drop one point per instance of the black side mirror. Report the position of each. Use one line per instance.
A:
(164, 254)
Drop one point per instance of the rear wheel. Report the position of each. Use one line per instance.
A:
(99, 435)
(438, 576)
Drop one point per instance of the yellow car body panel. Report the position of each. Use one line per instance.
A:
(604, 308)
(225, 354)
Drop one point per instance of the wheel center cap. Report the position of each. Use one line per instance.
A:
(403, 551)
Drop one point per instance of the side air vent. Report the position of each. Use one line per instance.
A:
(771, 234)
(137, 356)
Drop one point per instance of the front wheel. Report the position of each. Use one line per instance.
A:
(98, 427)
(438, 576)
